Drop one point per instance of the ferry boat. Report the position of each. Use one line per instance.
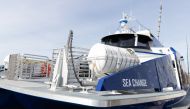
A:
(128, 69)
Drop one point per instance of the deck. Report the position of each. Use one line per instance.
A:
(39, 89)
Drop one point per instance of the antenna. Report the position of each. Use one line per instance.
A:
(159, 19)
(187, 55)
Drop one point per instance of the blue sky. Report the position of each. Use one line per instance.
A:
(38, 26)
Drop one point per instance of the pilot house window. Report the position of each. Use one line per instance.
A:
(127, 41)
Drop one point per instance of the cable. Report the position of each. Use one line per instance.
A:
(72, 61)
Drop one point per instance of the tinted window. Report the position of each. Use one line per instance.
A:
(127, 43)
(142, 42)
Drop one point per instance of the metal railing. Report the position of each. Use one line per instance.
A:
(29, 66)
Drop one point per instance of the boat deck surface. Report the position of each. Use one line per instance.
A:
(40, 89)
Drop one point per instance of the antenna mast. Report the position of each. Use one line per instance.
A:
(159, 20)
(187, 55)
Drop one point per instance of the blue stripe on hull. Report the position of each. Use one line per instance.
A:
(14, 100)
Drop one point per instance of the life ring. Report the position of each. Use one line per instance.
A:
(43, 68)
(46, 69)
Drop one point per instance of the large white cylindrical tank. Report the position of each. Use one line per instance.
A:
(107, 59)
